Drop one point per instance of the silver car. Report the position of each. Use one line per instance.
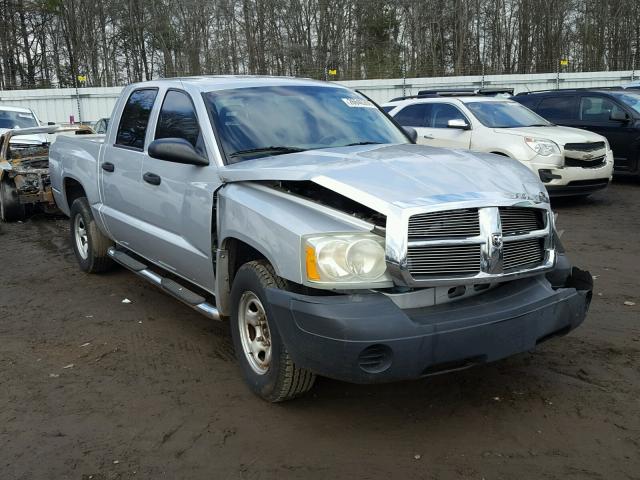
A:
(301, 214)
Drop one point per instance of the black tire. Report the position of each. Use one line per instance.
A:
(11, 210)
(283, 380)
(95, 259)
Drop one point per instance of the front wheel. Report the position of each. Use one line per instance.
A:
(11, 210)
(266, 365)
(89, 244)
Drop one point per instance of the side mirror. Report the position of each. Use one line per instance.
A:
(51, 123)
(411, 133)
(458, 123)
(618, 115)
(176, 150)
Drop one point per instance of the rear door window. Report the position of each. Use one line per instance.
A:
(178, 120)
(557, 108)
(135, 118)
(597, 109)
(414, 115)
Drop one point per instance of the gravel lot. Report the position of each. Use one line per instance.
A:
(92, 388)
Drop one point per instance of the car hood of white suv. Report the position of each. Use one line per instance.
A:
(560, 135)
(386, 177)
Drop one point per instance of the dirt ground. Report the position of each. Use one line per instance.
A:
(93, 388)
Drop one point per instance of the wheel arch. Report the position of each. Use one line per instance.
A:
(73, 190)
(235, 251)
(503, 154)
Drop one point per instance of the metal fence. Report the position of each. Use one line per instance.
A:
(91, 104)
(384, 90)
(61, 104)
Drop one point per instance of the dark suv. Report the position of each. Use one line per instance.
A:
(613, 113)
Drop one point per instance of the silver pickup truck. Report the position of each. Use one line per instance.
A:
(304, 215)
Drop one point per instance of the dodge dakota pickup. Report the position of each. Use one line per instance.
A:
(306, 217)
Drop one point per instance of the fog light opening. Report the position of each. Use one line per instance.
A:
(457, 291)
(375, 358)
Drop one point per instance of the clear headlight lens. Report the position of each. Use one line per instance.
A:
(541, 146)
(345, 259)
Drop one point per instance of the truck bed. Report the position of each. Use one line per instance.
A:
(75, 157)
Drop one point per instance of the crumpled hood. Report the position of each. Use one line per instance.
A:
(560, 135)
(401, 176)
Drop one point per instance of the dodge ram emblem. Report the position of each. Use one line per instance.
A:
(496, 240)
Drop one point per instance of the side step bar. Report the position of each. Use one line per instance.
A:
(172, 287)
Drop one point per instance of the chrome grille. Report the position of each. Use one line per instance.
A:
(449, 224)
(523, 253)
(517, 220)
(476, 243)
(444, 260)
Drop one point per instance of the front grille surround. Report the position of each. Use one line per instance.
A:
(493, 244)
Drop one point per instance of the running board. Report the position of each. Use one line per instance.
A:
(170, 286)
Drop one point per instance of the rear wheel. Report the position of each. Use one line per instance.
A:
(89, 244)
(266, 365)
(11, 209)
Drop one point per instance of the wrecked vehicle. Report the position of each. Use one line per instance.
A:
(303, 215)
(24, 170)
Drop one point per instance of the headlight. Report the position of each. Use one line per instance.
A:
(346, 259)
(606, 144)
(541, 146)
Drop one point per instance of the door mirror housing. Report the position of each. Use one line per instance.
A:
(458, 123)
(618, 115)
(176, 150)
(411, 133)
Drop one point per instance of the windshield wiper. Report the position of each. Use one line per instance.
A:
(274, 150)
(361, 143)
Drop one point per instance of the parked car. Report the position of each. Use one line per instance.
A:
(569, 161)
(303, 215)
(612, 113)
(24, 170)
(101, 126)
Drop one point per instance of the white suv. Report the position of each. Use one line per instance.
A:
(569, 161)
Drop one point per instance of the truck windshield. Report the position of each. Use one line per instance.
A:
(10, 119)
(275, 120)
(506, 115)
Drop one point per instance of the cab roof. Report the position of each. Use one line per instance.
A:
(208, 83)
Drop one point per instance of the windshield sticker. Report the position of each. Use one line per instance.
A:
(24, 115)
(358, 103)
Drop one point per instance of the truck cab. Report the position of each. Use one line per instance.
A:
(303, 215)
